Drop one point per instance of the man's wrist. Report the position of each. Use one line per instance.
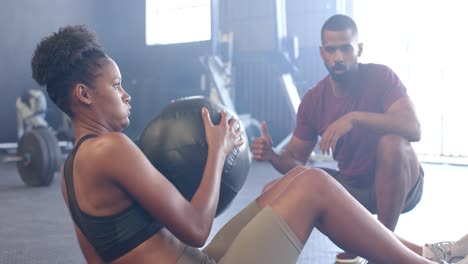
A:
(275, 155)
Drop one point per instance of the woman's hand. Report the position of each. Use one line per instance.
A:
(224, 137)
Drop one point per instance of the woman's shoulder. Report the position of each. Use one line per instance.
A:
(112, 140)
(108, 145)
(109, 153)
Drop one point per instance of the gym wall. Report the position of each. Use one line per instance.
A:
(154, 75)
(305, 20)
(256, 48)
(22, 24)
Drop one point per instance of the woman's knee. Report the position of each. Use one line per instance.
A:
(314, 182)
(309, 184)
(285, 179)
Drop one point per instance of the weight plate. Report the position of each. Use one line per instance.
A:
(39, 148)
(54, 152)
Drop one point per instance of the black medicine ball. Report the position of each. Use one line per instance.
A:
(174, 141)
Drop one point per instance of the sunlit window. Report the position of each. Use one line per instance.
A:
(177, 21)
(424, 42)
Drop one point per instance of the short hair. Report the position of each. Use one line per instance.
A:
(67, 57)
(339, 23)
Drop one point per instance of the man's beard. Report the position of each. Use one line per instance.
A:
(341, 77)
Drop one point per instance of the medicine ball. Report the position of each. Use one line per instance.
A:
(174, 141)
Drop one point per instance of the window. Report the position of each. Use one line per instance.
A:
(424, 43)
(177, 21)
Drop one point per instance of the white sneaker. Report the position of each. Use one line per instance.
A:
(463, 261)
(448, 252)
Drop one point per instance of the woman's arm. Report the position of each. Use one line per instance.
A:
(190, 221)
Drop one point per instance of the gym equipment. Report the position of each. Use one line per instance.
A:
(38, 154)
(38, 157)
(31, 110)
(174, 141)
(293, 99)
(220, 76)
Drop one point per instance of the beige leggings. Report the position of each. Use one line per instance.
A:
(252, 236)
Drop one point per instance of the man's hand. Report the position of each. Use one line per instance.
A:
(262, 147)
(335, 131)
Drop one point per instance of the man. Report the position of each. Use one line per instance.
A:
(366, 120)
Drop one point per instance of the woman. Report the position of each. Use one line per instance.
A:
(125, 211)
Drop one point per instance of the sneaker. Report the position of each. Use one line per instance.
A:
(346, 257)
(463, 261)
(449, 251)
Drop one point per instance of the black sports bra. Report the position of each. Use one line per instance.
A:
(111, 236)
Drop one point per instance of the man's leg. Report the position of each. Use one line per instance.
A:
(397, 189)
(397, 172)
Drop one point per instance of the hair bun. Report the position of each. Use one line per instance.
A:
(57, 54)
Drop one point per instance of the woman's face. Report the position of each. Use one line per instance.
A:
(112, 103)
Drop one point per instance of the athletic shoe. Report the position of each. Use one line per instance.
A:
(447, 251)
(348, 258)
(463, 261)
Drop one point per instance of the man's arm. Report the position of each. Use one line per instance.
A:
(400, 119)
(296, 153)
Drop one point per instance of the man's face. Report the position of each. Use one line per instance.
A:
(340, 51)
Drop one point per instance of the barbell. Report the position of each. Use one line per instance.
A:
(38, 157)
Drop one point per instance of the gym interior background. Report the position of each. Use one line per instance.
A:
(34, 225)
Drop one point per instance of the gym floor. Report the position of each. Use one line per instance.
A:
(36, 228)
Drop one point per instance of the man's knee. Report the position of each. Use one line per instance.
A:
(396, 156)
(394, 147)
(397, 166)
(392, 142)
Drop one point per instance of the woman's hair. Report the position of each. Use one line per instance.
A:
(66, 58)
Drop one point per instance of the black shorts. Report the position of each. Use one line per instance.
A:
(368, 198)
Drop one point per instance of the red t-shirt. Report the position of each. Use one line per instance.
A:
(374, 88)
